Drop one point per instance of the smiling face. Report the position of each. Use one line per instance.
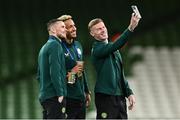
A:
(60, 29)
(71, 29)
(99, 31)
(56, 28)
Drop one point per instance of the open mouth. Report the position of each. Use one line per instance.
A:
(74, 32)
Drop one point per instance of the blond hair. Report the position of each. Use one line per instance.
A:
(94, 22)
(64, 17)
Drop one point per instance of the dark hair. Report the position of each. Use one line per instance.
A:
(51, 22)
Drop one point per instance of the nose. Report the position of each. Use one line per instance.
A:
(65, 29)
(74, 27)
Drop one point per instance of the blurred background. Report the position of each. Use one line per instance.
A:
(151, 57)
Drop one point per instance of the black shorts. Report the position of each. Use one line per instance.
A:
(75, 109)
(110, 106)
(53, 109)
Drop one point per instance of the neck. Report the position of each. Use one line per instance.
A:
(55, 36)
(106, 41)
(69, 41)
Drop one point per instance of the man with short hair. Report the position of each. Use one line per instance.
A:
(52, 72)
(78, 94)
(111, 86)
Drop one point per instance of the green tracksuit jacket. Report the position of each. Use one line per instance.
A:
(108, 65)
(74, 52)
(51, 70)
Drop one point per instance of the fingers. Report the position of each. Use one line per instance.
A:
(134, 22)
(80, 69)
(68, 74)
(131, 105)
(77, 69)
(87, 103)
(131, 100)
(60, 99)
(88, 100)
(135, 15)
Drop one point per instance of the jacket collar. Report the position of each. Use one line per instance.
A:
(51, 37)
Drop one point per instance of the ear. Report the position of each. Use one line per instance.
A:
(53, 30)
(91, 33)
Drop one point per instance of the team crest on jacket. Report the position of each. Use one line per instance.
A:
(66, 54)
(79, 51)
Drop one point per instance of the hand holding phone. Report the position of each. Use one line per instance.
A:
(136, 11)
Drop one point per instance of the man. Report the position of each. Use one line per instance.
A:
(52, 72)
(111, 86)
(78, 94)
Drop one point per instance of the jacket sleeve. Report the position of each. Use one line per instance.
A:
(105, 49)
(56, 70)
(128, 89)
(38, 74)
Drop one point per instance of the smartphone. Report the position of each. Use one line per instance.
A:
(136, 11)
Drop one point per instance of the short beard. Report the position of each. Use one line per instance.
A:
(61, 37)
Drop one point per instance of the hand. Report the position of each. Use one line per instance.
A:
(88, 99)
(131, 100)
(134, 22)
(77, 69)
(60, 99)
(68, 74)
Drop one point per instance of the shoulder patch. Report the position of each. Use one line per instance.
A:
(79, 51)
